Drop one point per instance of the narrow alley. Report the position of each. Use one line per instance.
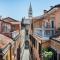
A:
(26, 54)
(29, 29)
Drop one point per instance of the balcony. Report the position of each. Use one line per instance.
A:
(44, 32)
(44, 28)
(11, 34)
(15, 33)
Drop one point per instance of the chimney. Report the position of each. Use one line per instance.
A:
(45, 11)
(51, 6)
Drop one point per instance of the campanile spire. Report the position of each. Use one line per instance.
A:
(30, 11)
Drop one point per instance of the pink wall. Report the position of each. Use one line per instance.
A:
(0, 26)
(57, 19)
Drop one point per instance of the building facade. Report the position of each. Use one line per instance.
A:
(11, 29)
(45, 34)
(5, 48)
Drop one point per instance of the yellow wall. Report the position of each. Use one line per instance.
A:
(7, 55)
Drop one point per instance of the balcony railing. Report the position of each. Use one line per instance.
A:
(11, 34)
(44, 32)
(44, 28)
(14, 34)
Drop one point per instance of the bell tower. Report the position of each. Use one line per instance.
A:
(30, 11)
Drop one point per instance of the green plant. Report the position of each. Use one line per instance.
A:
(46, 54)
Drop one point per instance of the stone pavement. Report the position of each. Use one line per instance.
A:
(26, 54)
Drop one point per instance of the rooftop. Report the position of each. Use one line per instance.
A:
(4, 41)
(15, 22)
(58, 5)
(42, 16)
(9, 19)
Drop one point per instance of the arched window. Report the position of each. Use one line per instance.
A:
(52, 24)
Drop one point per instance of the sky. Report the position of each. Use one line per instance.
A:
(19, 8)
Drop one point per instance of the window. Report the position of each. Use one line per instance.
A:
(46, 24)
(52, 24)
(47, 33)
(6, 27)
